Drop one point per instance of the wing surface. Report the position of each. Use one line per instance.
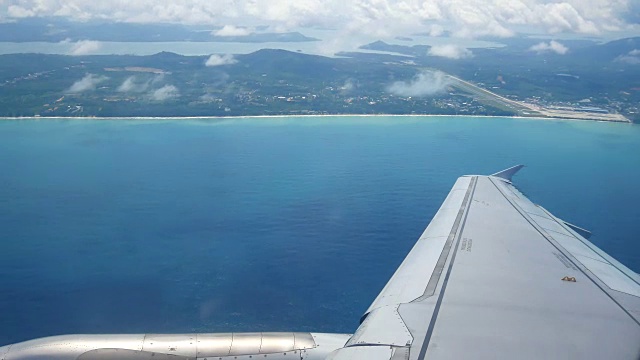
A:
(495, 276)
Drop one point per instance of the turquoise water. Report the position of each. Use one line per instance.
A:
(265, 224)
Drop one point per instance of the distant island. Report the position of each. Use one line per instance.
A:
(592, 82)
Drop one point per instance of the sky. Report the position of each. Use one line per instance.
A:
(352, 23)
(385, 18)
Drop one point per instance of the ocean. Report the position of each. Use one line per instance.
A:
(325, 47)
(265, 224)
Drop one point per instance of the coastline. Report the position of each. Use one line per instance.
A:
(99, 118)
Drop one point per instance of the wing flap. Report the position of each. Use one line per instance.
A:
(394, 333)
(611, 276)
(362, 352)
(608, 270)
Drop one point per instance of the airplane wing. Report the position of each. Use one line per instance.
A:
(495, 276)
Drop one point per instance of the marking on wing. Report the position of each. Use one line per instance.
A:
(564, 260)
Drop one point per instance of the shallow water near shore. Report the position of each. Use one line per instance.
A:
(265, 224)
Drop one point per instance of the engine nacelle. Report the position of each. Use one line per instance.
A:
(222, 346)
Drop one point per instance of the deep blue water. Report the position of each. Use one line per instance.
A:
(265, 224)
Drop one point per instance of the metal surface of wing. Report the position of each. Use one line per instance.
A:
(495, 276)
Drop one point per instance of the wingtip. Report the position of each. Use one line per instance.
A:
(507, 174)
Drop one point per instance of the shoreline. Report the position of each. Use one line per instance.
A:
(99, 118)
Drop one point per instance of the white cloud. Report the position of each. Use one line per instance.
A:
(450, 51)
(15, 11)
(563, 16)
(218, 60)
(87, 83)
(133, 85)
(424, 84)
(633, 60)
(435, 30)
(84, 47)
(278, 28)
(230, 30)
(209, 98)
(128, 85)
(633, 57)
(551, 46)
(348, 86)
(377, 18)
(166, 92)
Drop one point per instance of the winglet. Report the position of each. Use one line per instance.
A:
(507, 174)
